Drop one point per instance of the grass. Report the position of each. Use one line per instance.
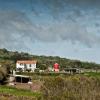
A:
(62, 87)
(18, 92)
(92, 74)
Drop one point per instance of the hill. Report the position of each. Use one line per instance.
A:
(9, 58)
(8, 62)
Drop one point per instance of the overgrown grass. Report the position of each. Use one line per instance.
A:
(61, 87)
(77, 87)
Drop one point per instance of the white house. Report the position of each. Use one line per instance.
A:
(26, 65)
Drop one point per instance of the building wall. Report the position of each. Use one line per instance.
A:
(19, 66)
(28, 66)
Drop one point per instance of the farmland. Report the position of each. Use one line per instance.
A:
(61, 87)
(10, 93)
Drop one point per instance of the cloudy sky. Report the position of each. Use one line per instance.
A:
(65, 28)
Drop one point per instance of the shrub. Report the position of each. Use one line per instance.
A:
(3, 75)
(71, 88)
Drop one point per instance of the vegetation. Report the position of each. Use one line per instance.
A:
(10, 93)
(55, 86)
(60, 87)
(8, 62)
(9, 58)
(71, 88)
(92, 74)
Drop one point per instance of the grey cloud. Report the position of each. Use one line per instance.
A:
(76, 33)
(58, 6)
(14, 26)
(17, 30)
(66, 32)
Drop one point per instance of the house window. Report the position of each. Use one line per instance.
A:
(30, 65)
(21, 64)
(25, 67)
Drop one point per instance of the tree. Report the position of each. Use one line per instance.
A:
(3, 75)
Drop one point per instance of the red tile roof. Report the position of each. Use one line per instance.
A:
(27, 61)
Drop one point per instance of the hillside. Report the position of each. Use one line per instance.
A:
(8, 62)
(9, 58)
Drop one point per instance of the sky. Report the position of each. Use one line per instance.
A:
(65, 28)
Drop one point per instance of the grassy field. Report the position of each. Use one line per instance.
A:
(92, 74)
(57, 87)
(10, 92)
(77, 87)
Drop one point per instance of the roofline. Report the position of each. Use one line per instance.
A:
(27, 61)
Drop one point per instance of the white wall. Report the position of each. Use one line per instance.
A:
(19, 66)
(33, 66)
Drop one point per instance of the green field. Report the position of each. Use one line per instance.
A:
(92, 74)
(18, 93)
(62, 87)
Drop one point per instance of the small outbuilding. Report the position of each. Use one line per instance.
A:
(13, 79)
(56, 67)
(72, 70)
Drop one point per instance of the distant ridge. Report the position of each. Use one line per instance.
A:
(43, 61)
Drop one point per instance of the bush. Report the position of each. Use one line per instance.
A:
(3, 75)
(71, 88)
